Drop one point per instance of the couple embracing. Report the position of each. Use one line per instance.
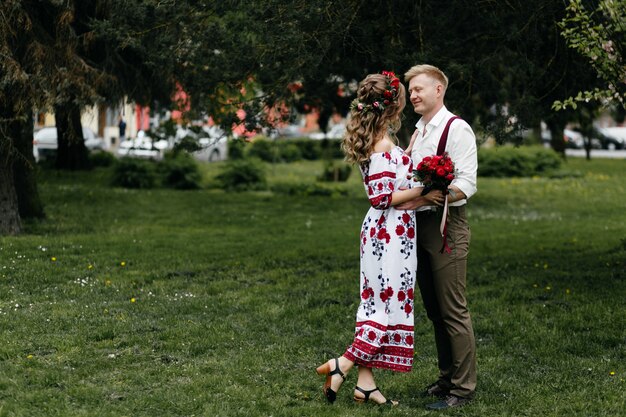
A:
(404, 240)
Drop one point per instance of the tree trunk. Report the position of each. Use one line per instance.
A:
(557, 142)
(71, 150)
(10, 223)
(24, 170)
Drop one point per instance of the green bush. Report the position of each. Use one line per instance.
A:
(236, 148)
(336, 172)
(101, 159)
(180, 171)
(134, 173)
(508, 161)
(243, 174)
(310, 189)
(262, 149)
(331, 149)
(311, 150)
(289, 152)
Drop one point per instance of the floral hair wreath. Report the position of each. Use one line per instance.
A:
(389, 96)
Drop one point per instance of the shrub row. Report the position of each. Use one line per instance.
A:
(286, 150)
(508, 161)
(177, 170)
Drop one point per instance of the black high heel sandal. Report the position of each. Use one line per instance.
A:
(367, 394)
(324, 369)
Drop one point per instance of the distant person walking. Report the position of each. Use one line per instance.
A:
(442, 276)
(388, 262)
(122, 126)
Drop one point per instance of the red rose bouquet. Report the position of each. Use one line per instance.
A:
(435, 173)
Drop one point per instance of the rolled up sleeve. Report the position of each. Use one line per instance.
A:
(464, 155)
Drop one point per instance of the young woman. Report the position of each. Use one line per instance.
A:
(384, 319)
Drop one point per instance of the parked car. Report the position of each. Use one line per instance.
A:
(613, 137)
(575, 139)
(211, 139)
(142, 147)
(45, 142)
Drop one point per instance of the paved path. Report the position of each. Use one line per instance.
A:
(597, 153)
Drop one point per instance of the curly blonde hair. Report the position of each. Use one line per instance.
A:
(366, 128)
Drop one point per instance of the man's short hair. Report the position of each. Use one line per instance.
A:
(429, 70)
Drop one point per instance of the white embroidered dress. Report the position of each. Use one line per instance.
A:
(384, 320)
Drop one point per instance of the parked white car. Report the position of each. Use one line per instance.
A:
(45, 142)
(142, 147)
(213, 142)
(613, 137)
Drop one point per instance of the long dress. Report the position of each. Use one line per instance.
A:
(384, 319)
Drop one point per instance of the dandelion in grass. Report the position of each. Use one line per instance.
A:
(29, 357)
(53, 259)
(107, 282)
(612, 373)
(90, 266)
(132, 300)
(123, 263)
(535, 285)
(545, 266)
(548, 288)
(567, 291)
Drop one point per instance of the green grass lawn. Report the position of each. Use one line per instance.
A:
(203, 303)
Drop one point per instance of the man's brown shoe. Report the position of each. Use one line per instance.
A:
(435, 390)
(450, 401)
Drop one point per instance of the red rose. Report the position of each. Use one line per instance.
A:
(365, 294)
(388, 94)
(397, 338)
(450, 177)
(399, 230)
(408, 308)
(405, 160)
(410, 293)
(395, 82)
(427, 159)
(371, 335)
(409, 340)
(372, 231)
(410, 233)
(386, 102)
(420, 166)
(441, 172)
(401, 296)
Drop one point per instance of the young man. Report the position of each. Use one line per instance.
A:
(441, 276)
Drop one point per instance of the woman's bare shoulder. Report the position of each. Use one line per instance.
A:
(384, 145)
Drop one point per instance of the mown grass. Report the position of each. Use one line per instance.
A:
(202, 303)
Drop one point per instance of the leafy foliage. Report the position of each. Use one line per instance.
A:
(600, 36)
(243, 174)
(508, 161)
(134, 173)
(180, 171)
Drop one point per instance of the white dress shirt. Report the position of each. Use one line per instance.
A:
(461, 147)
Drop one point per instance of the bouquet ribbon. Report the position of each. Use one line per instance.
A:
(443, 228)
